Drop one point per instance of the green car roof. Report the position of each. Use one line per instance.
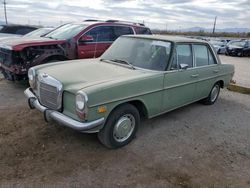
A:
(167, 38)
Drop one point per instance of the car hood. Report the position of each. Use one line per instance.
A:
(79, 74)
(23, 42)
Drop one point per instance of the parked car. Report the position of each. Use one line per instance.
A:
(238, 48)
(88, 39)
(15, 30)
(39, 32)
(219, 45)
(137, 77)
(36, 33)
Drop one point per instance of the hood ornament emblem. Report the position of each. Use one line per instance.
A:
(45, 75)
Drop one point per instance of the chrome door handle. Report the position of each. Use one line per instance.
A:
(194, 75)
(215, 71)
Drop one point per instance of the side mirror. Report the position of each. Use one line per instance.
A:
(86, 38)
(183, 66)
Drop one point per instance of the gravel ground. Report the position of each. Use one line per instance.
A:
(195, 146)
(242, 69)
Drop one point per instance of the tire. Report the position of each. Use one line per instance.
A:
(213, 95)
(114, 134)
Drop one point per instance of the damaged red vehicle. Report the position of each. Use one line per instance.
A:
(87, 39)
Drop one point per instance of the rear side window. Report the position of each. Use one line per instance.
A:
(203, 55)
(211, 60)
(200, 55)
(121, 30)
(184, 55)
(144, 31)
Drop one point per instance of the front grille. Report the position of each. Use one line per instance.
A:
(48, 95)
(50, 92)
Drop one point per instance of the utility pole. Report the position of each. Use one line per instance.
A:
(214, 24)
(5, 14)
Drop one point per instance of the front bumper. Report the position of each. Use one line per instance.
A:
(59, 117)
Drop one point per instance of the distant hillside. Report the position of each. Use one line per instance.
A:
(227, 30)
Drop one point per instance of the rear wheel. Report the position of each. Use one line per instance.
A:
(213, 95)
(121, 127)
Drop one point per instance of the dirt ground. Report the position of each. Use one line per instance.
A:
(195, 146)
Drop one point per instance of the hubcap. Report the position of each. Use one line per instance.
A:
(215, 93)
(124, 128)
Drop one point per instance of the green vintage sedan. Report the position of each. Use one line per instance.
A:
(137, 77)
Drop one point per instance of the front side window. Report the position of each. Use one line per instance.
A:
(139, 52)
(102, 34)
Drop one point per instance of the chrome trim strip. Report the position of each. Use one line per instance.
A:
(157, 90)
(61, 118)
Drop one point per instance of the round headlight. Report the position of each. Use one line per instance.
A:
(80, 102)
(32, 77)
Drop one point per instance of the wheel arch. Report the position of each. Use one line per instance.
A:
(221, 82)
(138, 104)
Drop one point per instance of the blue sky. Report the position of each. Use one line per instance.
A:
(162, 14)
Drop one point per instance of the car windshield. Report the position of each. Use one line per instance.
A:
(66, 31)
(38, 32)
(238, 43)
(138, 52)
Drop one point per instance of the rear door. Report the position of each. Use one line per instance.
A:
(207, 67)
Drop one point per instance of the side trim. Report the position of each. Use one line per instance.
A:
(150, 92)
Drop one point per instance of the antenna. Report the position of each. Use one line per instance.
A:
(96, 45)
(214, 24)
(5, 14)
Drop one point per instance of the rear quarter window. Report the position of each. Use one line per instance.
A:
(144, 31)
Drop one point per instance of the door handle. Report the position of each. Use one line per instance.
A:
(215, 71)
(194, 75)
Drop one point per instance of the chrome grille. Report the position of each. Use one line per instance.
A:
(48, 95)
(50, 92)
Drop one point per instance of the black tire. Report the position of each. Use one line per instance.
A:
(107, 133)
(212, 97)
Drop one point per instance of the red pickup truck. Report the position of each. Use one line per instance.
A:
(87, 39)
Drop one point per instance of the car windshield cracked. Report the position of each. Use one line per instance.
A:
(142, 53)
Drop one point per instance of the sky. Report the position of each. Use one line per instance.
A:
(156, 14)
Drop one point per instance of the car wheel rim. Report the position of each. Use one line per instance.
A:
(215, 93)
(124, 128)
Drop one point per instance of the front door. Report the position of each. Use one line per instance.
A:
(103, 37)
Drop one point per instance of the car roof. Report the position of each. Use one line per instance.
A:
(90, 22)
(170, 38)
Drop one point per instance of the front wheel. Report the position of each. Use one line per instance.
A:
(121, 127)
(213, 95)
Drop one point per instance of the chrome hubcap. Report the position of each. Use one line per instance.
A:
(124, 128)
(215, 93)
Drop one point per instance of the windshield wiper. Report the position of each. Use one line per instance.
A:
(123, 62)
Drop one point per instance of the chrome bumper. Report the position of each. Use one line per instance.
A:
(59, 117)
